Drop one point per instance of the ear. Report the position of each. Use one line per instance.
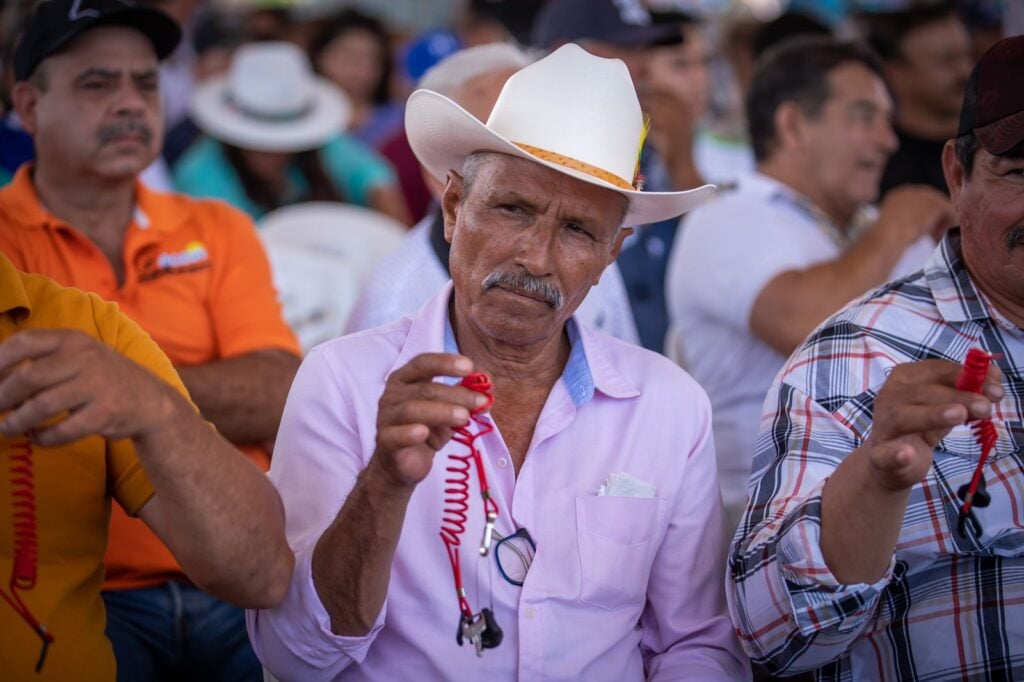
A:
(620, 238)
(25, 96)
(790, 125)
(955, 174)
(450, 203)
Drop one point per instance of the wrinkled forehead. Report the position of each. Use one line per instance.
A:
(502, 174)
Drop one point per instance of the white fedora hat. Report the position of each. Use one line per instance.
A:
(270, 101)
(570, 111)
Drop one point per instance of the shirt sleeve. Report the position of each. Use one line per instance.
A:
(687, 632)
(317, 459)
(736, 247)
(245, 309)
(356, 169)
(127, 480)
(791, 612)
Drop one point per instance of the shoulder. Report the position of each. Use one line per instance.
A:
(655, 377)
(218, 220)
(855, 349)
(363, 356)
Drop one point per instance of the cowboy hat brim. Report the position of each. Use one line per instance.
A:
(327, 115)
(442, 134)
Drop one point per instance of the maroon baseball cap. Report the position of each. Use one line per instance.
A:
(994, 100)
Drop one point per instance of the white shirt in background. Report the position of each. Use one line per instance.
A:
(726, 253)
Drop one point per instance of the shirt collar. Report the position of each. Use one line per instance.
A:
(955, 295)
(589, 368)
(771, 190)
(20, 199)
(13, 297)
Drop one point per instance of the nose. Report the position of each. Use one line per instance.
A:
(130, 100)
(535, 248)
(887, 140)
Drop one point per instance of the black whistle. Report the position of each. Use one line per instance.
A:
(492, 634)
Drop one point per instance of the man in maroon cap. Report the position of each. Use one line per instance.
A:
(884, 535)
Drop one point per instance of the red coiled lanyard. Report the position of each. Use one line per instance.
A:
(26, 542)
(973, 494)
(479, 628)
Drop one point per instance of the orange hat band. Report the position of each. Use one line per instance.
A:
(576, 164)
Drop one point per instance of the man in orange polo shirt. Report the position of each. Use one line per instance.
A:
(192, 273)
(90, 409)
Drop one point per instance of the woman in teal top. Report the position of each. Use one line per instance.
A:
(275, 136)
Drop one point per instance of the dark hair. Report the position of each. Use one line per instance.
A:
(785, 27)
(353, 20)
(886, 31)
(797, 71)
(321, 188)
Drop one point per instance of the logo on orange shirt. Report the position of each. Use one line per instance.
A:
(193, 257)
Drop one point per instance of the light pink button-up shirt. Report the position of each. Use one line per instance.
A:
(620, 587)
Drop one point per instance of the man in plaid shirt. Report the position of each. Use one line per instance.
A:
(848, 560)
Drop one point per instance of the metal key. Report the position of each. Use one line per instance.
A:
(473, 631)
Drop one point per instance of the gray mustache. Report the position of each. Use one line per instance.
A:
(527, 284)
(130, 126)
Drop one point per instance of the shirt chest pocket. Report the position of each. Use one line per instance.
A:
(617, 539)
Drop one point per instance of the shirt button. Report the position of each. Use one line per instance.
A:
(502, 463)
(529, 613)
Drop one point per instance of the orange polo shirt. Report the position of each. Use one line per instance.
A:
(72, 487)
(195, 277)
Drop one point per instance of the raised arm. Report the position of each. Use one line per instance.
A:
(216, 512)
(793, 303)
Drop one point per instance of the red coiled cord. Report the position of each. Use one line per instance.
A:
(26, 542)
(456, 502)
(971, 379)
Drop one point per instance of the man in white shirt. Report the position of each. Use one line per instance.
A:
(407, 278)
(754, 272)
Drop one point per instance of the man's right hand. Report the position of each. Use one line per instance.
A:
(416, 416)
(918, 405)
(913, 211)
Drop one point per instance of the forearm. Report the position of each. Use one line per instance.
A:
(794, 303)
(218, 514)
(860, 521)
(243, 396)
(352, 560)
(388, 199)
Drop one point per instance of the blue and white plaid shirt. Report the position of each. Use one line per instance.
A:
(947, 608)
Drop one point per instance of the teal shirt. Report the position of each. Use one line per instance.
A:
(5, 177)
(204, 171)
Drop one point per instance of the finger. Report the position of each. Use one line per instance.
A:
(30, 344)
(439, 437)
(452, 395)
(893, 456)
(21, 382)
(394, 438)
(993, 386)
(41, 408)
(978, 406)
(425, 412)
(906, 420)
(79, 424)
(426, 366)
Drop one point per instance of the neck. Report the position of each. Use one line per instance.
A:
(515, 370)
(91, 205)
(1011, 307)
(803, 183)
(926, 124)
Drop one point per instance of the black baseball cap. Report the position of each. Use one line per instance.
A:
(994, 100)
(625, 23)
(54, 23)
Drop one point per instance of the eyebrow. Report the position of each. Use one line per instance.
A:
(110, 74)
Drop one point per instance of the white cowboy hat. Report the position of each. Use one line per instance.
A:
(570, 111)
(270, 101)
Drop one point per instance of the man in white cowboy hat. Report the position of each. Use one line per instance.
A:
(603, 543)
(191, 273)
(406, 278)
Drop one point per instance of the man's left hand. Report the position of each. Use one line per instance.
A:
(48, 373)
